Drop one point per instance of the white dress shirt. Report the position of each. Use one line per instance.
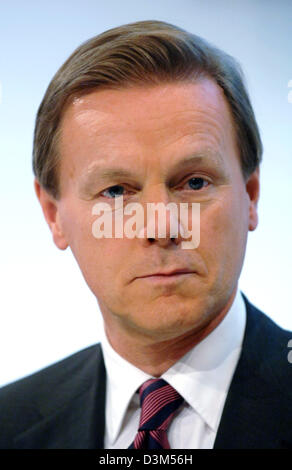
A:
(202, 377)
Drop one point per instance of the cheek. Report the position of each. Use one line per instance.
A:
(101, 262)
(224, 227)
(76, 222)
(77, 225)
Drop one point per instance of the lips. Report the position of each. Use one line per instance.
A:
(169, 273)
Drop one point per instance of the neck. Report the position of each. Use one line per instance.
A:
(155, 356)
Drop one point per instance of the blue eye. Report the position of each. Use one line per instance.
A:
(197, 183)
(114, 191)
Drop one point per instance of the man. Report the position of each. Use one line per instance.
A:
(150, 114)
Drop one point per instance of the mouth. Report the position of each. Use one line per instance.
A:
(172, 273)
(168, 276)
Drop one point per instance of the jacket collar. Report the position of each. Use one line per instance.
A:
(252, 413)
(77, 424)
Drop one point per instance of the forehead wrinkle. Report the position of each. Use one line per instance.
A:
(200, 129)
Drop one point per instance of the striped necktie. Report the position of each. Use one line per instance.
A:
(159, 401)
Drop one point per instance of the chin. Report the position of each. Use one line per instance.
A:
(167, 321)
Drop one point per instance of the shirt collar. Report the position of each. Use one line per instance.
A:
(123, 380)
(202, 376)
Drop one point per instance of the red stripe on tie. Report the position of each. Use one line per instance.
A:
(163, 398)
(159, 402)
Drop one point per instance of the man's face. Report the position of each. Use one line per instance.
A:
(167, 143)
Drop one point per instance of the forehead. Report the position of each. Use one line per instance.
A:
(151, 123)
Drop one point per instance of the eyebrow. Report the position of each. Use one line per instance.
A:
(104, 174)
(96, 172)
(198, 158)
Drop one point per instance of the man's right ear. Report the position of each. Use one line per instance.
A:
(50, 209)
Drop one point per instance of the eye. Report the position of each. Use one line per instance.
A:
(113, 191)
(197, 183)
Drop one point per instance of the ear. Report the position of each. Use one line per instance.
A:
(253, 191)
(50, 209)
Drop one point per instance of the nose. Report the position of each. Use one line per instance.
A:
(161, 222)
(162, 225)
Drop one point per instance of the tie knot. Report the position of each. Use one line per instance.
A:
(159, 401)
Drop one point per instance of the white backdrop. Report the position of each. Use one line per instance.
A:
(47, 311)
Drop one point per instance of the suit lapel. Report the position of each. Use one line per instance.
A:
(79, 424)
(249, 415)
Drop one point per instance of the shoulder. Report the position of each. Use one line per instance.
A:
(265, 336)
(258, 408)
(265, 346)
(26, 401)
(265, 375)
(63, 371)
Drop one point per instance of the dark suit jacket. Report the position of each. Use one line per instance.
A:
(63, 406)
